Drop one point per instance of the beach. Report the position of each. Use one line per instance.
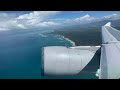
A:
(73, 43)
(80, 37)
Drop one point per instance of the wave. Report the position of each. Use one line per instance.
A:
(42, 35)
(72, 42)
(63, 37)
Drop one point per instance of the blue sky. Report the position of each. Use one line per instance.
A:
(51, 19)
(71, 14)
(74, 14)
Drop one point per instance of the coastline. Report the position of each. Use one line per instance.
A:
(72, 42)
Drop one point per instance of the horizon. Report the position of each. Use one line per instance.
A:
(10, 20)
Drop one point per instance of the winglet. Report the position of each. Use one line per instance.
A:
(108, 24)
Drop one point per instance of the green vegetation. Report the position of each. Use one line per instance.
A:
(82, 36)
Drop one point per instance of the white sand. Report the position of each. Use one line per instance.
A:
(73, 43)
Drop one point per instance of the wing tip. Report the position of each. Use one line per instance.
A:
(108, 24)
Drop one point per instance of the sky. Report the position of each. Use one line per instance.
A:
(10, 20)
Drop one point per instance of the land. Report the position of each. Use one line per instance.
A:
(88, 34)
(82, 36)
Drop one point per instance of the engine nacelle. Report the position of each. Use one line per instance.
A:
(60, 60)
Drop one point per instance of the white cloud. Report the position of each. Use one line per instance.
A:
(3, 29)
(77, 11)
(7, 21)
(44, 19)
(58, 19)
(112, 17)
(84, 19)
(5, 16)
(48, 24)
(35, 19)
(21, 26)
(37, 15)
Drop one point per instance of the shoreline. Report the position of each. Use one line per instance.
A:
(73, 43)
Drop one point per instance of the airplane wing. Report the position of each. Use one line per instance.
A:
(110, 53)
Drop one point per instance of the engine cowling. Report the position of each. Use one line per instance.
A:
(60, 60)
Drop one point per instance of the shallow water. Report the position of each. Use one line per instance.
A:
(20, 54)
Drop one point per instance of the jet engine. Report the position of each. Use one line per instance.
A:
(60, 60)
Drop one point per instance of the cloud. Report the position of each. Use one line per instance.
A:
(37, 15)
(81, 20)
(85, 18)
(5, 16)
(7, 21)
(112, 17)
(44, 19)
(35, 19)
(4, 29)
(77, 11)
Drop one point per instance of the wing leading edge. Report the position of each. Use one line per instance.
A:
(110, 53)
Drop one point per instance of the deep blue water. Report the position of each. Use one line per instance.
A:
(20, 53)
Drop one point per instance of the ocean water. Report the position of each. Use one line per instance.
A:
(20, 54)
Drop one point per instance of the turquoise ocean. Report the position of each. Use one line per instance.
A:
(20, 54)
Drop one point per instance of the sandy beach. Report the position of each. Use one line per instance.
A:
(73, 43)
